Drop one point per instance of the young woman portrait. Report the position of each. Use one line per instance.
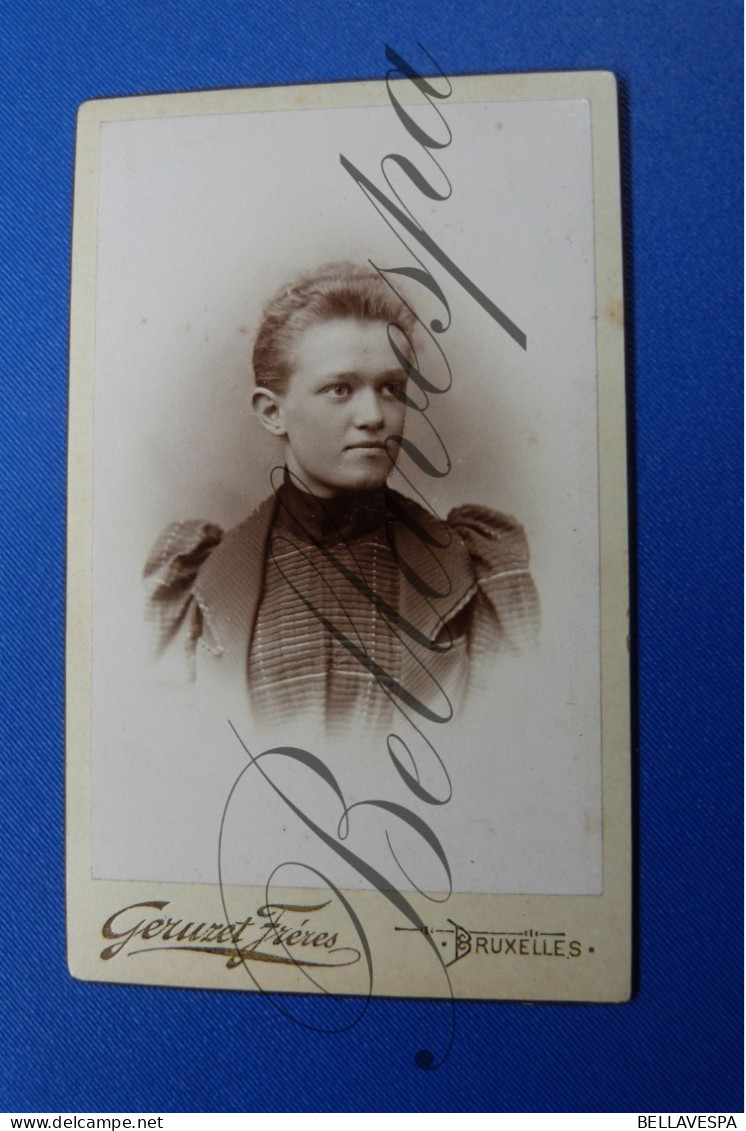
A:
(339, 600)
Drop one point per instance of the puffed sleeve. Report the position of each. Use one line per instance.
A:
(170, 573)
(507, 611)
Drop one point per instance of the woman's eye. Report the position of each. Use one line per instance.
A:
(395, 389)
(338, 392)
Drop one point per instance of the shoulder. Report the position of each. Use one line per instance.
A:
(170, 573)
(190, 569)
(480, 532)
(487, 558)
(178, 552)
(183, 548)
(507, 595)
(490, 536)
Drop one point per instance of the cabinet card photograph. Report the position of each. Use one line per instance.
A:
(348, 688)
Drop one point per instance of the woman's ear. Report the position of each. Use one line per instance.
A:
(267, 404)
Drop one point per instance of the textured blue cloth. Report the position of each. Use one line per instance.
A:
(676, 1047)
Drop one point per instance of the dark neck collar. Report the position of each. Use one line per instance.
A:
(341, 519)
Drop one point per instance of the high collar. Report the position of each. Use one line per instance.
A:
(328, 521)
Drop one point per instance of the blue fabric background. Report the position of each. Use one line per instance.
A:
(677, 1046)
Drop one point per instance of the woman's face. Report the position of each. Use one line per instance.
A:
(340, 406)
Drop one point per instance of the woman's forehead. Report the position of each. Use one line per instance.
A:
(342, 345)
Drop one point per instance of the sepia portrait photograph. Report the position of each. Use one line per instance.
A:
(366, 369)
(344, 491)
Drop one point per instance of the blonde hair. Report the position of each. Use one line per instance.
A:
(337, 290)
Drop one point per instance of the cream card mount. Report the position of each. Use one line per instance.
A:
(347, 656)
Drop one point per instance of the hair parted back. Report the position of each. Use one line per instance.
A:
(336, 290)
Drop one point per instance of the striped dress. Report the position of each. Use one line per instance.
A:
(366, 604)
(321, 647)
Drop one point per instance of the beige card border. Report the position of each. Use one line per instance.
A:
(597, 927)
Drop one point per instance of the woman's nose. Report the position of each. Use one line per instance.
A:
(368, 411)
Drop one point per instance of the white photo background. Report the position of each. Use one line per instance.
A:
(201, 219)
